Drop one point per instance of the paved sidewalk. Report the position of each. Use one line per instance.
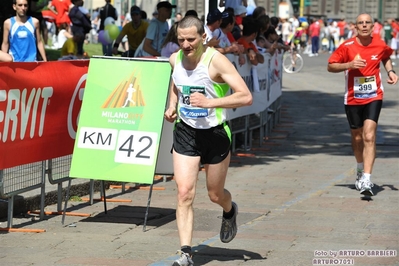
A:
(296, 197)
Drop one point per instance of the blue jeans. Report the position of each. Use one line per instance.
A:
(331, 45)
(315, 44)
(107, 49)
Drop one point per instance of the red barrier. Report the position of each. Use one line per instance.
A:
(39, 109)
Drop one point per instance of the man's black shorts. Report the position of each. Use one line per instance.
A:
(212, 145)
(356, 114)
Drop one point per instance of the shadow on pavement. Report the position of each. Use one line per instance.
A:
(207, 254)
(134, 215)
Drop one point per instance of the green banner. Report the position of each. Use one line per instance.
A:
(120, 120)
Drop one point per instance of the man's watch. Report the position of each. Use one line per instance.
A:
(389, 71)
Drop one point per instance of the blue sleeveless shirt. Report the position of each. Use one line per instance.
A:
(22, 40)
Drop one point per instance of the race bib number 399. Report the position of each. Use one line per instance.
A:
(365, 87)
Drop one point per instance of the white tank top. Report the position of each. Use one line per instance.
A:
(61, 38)
(198, 80)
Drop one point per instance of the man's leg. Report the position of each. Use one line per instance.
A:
(369, 138)
(215, 181)
(185, 174)
(358, 148)
(357, 144)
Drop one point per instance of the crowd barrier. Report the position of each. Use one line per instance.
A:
(39, 111)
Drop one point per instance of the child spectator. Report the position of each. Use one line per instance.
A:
(240, 12)
(170, 44)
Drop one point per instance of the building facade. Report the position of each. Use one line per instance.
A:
(330, 9)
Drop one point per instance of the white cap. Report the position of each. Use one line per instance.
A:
(240, 10)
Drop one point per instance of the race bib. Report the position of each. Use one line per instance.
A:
(22, 34)
(186, 109)
(365, 87)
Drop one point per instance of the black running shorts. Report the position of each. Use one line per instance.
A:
(212, 145)
(356, 114)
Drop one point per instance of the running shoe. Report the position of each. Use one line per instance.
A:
(366, 186)
(228, 229)
(184, 260)
(357, 182)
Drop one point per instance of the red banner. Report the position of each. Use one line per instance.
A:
(39, 109)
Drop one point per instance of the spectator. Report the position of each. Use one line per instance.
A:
(21, 42)
(377, 29)
(213, 21)
(144, 15)
(155, 14)
(70, 48)
(178, 17)
(240, 12)
(258, 11)
(157, 31)
(334, 36)
(286, 29)
(170, 44)
(135, 31)
(314, 33)
(272, 41)
(395, 38)
(249, 33)
(191, 12)
(387, 31)
(107, 11)
(267, 43)
(225, 45)
(34, 11)
(342, 26)
(264, 24)
(63, 35)
(81, 24)
(61, 9)
(124, 42)
(352, 30)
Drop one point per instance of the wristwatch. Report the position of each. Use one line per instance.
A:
(391, 71)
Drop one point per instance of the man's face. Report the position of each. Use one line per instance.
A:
(189, 41)
(136, 18)
(21, 7)
(166, 11)
(364, 25)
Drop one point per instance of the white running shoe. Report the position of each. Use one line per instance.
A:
(184, 260)
(365, 187)
(357, 182)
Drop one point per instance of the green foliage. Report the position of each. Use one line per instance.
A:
(75, 198)
(91, 49)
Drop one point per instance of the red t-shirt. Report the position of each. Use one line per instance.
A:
(247, 45)
(238, 20)
(341, 25)
(362, 85)
(314, 29)
(62, 8)
(230, 37)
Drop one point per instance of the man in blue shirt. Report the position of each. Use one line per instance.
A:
(157, 30)
(21, 37)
